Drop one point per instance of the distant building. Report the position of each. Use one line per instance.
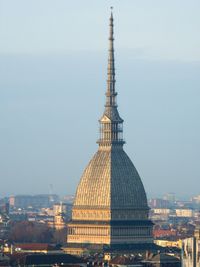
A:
(48, 260)
(170, 197)
(191, 250)
(35, 201)
(4, 208)
(60, 216)
(159, 203)
(4, 226)
(59, 208)
(163, 260)
(184, 213)
(161, 211)
(164, 233)
(4, 220)
(168, 243)
(69, 199)
(196, 199)
(4, 260)
(33, 248)
(125, 260)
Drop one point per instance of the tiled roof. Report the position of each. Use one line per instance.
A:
(162, 232)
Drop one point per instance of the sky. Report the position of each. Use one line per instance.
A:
(53, 59)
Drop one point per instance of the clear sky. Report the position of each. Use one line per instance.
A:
(53, 57)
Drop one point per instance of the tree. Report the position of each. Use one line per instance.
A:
(60, 236)
(31, 232)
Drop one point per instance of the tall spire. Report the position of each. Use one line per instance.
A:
(111, 128)
(111, 94)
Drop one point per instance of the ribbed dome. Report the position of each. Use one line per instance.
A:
(111, 181)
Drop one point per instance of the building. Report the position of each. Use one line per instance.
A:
(110, 209)
(60, 218)
(33, 248)
(170, 197)
(123, 261)
(164, 233)
(159, 203)
(191, 252)
(196, 199)
(59, 208)
(4, 260)
(4, 208)
(184, 213)
(4, 221)
(59, 211)
(169, 243)
(161, 211)
(29, 201)
(163, 260)
(47, 260)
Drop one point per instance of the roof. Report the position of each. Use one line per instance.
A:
(123, 260)
(111, 181)
(133, 247)
(34, 246)
(163, 232)
(162, 257)
(50, 259)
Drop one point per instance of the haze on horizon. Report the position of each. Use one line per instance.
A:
(53, 59)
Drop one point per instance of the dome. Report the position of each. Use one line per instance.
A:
(111, 181)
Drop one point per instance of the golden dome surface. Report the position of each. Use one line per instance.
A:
(111, 181)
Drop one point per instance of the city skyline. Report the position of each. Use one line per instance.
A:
(48, 130)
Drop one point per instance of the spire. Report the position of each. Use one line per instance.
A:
(111, 94)
(111, 128)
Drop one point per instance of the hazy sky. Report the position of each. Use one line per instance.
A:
(53, 57)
